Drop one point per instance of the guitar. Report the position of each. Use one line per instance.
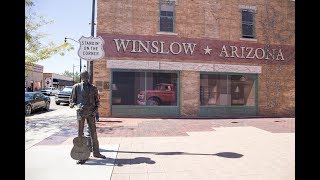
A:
(80, 150)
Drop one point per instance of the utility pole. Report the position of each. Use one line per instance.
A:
(65, 40)
(90, 63)
(80, 71)
(72, 73)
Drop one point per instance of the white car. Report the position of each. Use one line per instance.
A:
(50, 91)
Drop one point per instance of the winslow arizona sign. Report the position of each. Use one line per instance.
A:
(91, 48)
(171, 47)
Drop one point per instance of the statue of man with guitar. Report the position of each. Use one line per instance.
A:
(84, 98)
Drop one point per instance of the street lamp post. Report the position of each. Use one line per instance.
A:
(65, 40)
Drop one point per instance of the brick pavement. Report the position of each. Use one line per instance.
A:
(190, 149)
(124, 127)
(132, 127)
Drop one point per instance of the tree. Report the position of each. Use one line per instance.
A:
(75, 76)
(35, 49)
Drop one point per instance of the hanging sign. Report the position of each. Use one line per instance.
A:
(91, 48)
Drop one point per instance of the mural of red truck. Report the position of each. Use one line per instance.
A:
(162, 94)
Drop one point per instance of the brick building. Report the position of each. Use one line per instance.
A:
(36, 79)
(221, 57)
(33, 77)
(56, 80)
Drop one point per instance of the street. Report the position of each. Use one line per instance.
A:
(42, 124)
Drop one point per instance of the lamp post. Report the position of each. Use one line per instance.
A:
(65, 40)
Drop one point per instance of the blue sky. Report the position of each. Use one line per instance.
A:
(71, 18)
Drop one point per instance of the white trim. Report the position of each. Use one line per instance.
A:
(237, 68)
(181, 66)
(176, 1)
(129, 64)
(248, 7)
(186, 66)
(167, 33)
(249, 39)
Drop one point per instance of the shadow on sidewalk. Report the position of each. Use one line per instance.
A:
(119, 162)
(140, 160)
(220, 154)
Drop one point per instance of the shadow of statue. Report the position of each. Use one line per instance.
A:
(140, 160)
(119, 162)
(136, 160)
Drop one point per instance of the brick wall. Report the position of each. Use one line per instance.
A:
(219, 19)
(189, 93)
(101, 79)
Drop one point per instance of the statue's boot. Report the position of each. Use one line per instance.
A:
(81, 161)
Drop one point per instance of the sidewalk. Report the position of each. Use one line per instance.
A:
(172, 149)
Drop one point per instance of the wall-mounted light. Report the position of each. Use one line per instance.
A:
(243, 78)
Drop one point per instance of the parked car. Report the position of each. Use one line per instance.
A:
(50, 91)
(63, 96)
(36, 101)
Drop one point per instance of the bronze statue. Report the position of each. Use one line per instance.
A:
(85, 97)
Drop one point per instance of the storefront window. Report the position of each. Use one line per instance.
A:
(226, 90)
(144, 88)
(242, 90)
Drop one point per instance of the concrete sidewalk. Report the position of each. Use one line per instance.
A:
(172, 149)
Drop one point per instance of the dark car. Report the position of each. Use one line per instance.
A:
(36, 101)
(63, 96)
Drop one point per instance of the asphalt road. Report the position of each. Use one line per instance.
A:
(42, 124)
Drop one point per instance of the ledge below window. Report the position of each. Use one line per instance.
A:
(248, 39)
(167, 33)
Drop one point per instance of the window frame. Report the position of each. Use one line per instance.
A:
(248, 23)
(229, 88)
(173, 2)
(176, 89)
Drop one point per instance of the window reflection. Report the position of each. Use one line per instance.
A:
(226, 90)
(144, 88)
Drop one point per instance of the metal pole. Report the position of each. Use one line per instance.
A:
(80, 70)
(73, 73)
(92, 19)
(90, 63)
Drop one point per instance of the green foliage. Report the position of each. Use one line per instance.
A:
(75, 76)
(35, 49)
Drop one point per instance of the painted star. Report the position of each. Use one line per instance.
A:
(207, 50)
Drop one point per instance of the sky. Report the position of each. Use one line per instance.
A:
(72, 19)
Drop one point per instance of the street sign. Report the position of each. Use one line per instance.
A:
(91, 48)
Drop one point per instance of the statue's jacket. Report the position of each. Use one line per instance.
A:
(85, 98)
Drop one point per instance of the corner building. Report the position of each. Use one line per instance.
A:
(196, 58)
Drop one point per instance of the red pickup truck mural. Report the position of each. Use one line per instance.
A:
(163, 94)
